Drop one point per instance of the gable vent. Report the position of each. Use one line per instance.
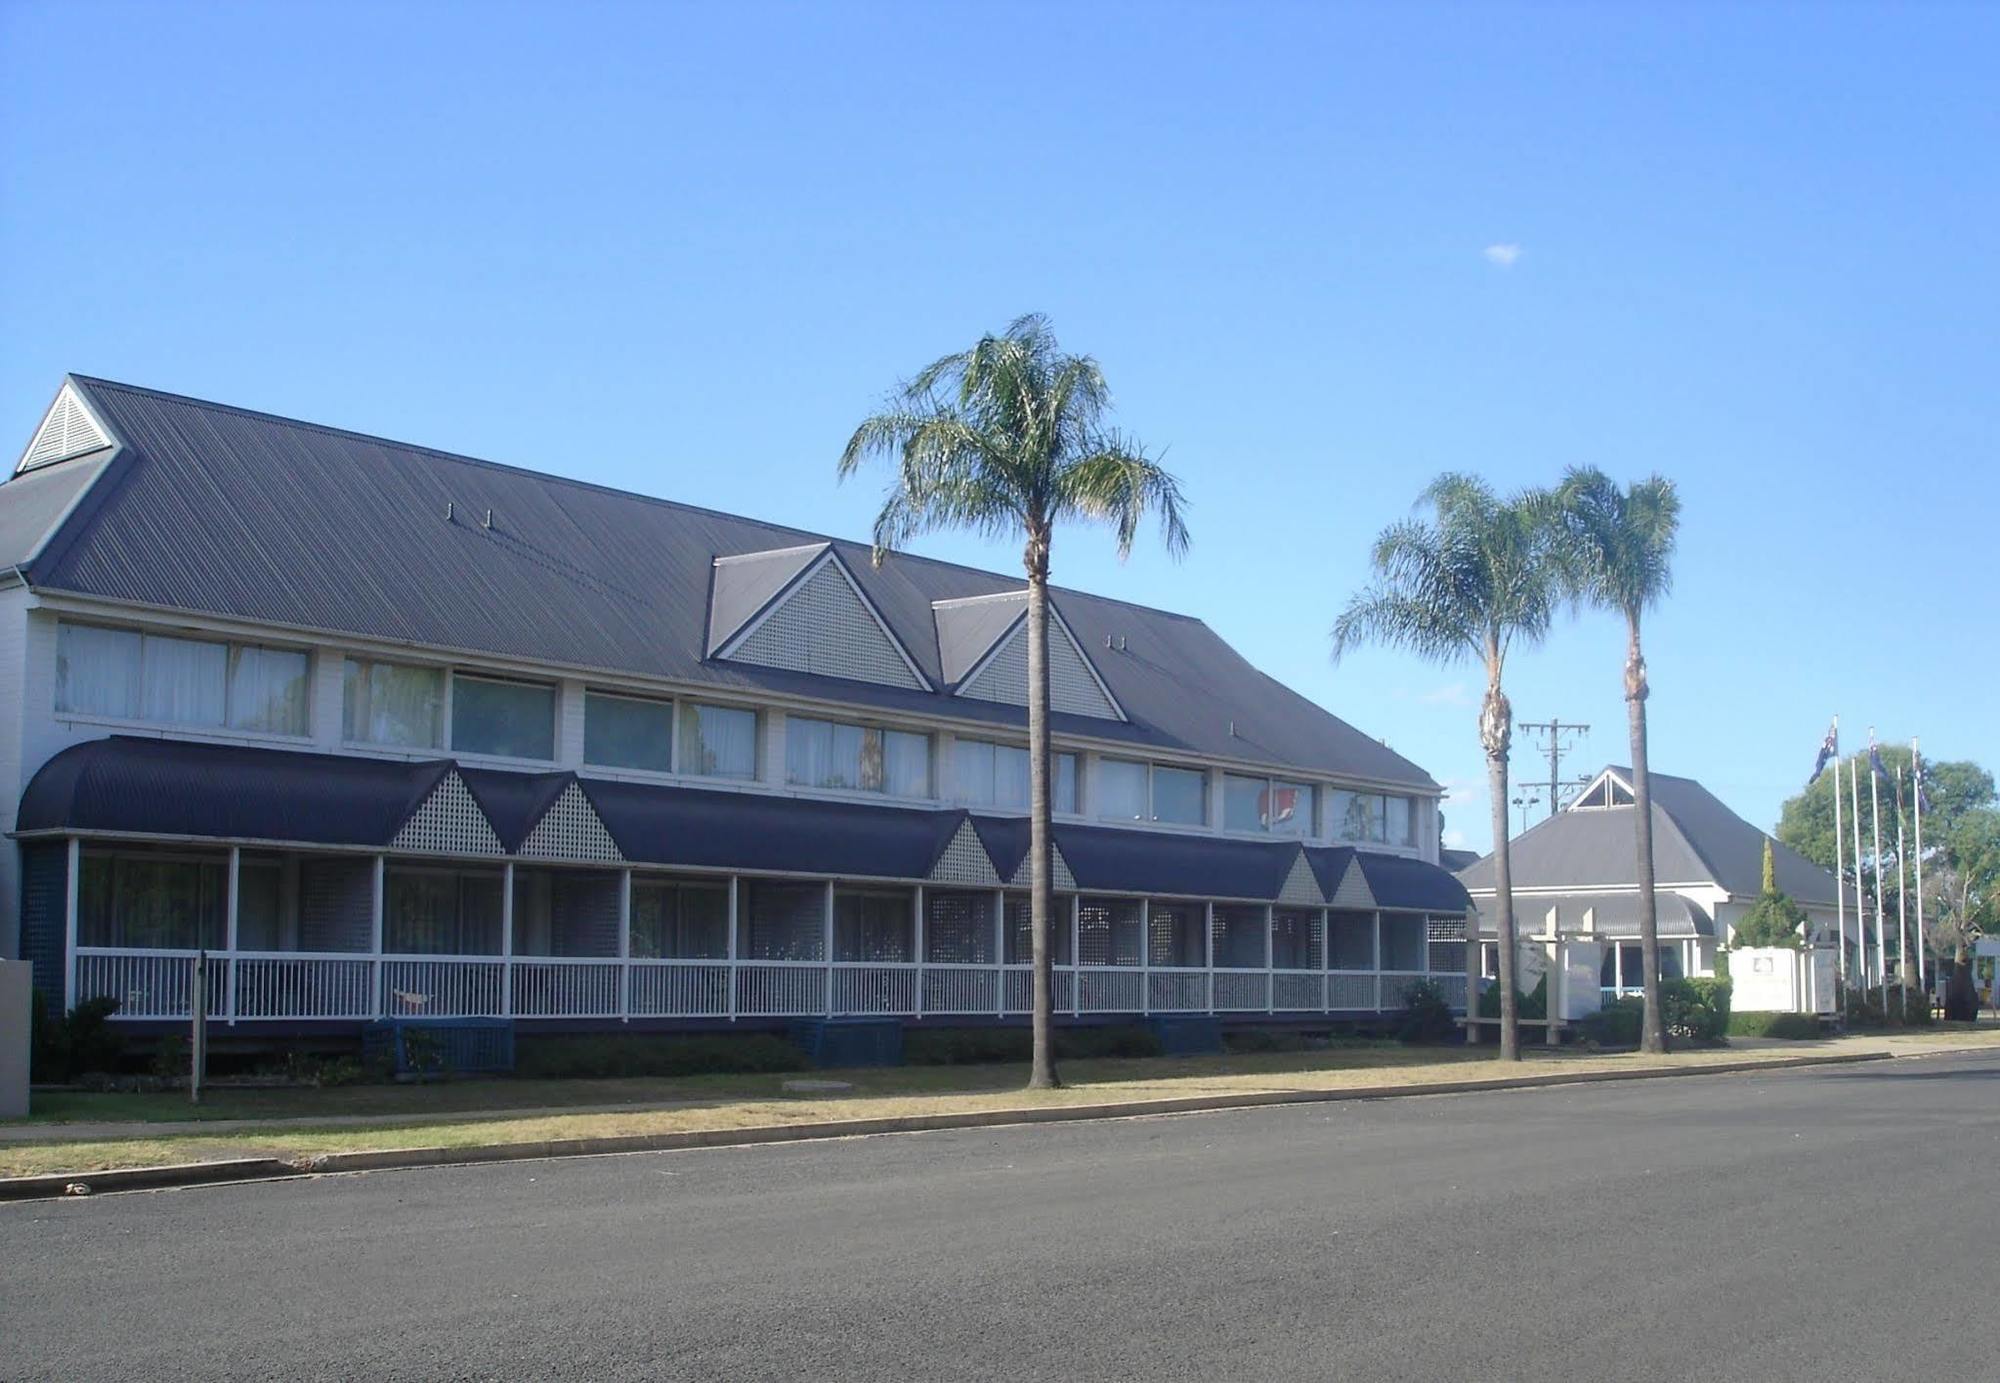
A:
(68, 430)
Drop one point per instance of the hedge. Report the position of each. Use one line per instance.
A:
(1793, 1027)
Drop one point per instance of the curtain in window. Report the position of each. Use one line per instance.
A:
(1353, 941)
(97, 671)
(1295, 939)
(514, 720)
(186, 680)
(1403, 942)
(782, 921)
(393, 703)
(148, 902)
(718, 741)
(973, 766)
(1121, 790)
(1174, 933)
(267, 689)
(680, 920)
(958, 927)
(873, 926)
(906, 764)
(1021, 929)
(1108, 931)
(1243, 802)
(1065, 786)
(1399, 821)
(437, 912)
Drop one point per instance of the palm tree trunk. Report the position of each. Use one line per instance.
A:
(1496, 734)
(1041, 874)
(1652, 1033)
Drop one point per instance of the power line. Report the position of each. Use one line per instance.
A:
(1555, 738)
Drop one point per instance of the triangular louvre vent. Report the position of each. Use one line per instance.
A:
(449, 823)
(823, 626)
(1073, 687)
(67, 430)
(571, 830)
(1301, 888)
(965, 861)
(1064, 882)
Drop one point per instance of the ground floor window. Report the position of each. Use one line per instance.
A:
(1404, 939)
(874, 925)
(1624, 965)
(958, 927)
(441, 912)
(304, 903)
(782, 921)
(1021, 929)
(1239, 937)
(1108, 931)
(169, 900)
(1296, 943)
(1352, 940)
(1173, 930)
(565, 912)
(680, 919)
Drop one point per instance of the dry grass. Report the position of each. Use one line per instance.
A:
(888, 1094)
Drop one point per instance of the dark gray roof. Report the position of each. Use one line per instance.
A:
(36, 499)
(1119, 861)
(219, 510)
(1455, 860)
(1398, 881)
(1615, 915)
(745, 585)
(1696, 839)
(178, 788)
(514, 802)
(967, 629)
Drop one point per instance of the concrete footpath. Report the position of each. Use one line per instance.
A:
(1757, 1058)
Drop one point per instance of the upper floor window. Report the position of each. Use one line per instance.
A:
(130, 675)
(718, 741)
(1275, 805)
(399, 704)
(996, 775)
(1372, 817)
(627, 732)
(865, 758)
(515, 720)
(1130, 791)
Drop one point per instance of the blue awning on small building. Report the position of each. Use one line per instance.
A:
(139, 786)
(514, 802)
(1400, 882)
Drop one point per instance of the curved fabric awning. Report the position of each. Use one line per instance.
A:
(1398, 881)
(1118, 861)
(177, 788)
(753, 831)
(514, 802)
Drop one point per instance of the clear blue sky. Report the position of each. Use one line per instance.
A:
(684, 250)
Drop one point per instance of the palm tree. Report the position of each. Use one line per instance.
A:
(1617, 550)
(1475, 579)
(1009, 439)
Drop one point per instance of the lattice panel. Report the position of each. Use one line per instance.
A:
(1446, 929)
(571, 830)
(1353, 891)
(1071, 687)
(1301, 888)
(449, 823)
(965, 861)
(823, 627)
(1064, 882)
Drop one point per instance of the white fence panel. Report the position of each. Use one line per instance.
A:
(545, 988)
(1021, 989)
(679, 989)
(1296, 991)
(149, 984)
(1240, 990)
(961, 989)
(859, 989)
(1101, 989)
(279, 984)
(1396, 986)
(442, 987)
(772, 990)
(1177, 991)
(1349, 990)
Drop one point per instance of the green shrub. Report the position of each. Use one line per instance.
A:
(1694, 1010)
(1864, 1008)
(1617, 1024)
(81, 1043)
(641, 1054)
(1793, 1027)
(989, 1046)
(1426, 1019)
(1533, 1004)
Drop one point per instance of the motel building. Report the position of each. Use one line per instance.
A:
(389, 732)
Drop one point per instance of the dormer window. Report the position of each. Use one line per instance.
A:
(1607, 791)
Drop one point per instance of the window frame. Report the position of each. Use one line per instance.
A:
(230, 647)
(670, 704)
(1268, 786)
(883, 729)
(1056, 756)
(554, 689)
(1151, 815)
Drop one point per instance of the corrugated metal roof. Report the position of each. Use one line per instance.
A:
(1101, 857)
(32, 502)
(180, 788)
(968, 629)
(744, 585)
(1696, 839)
(1614, 915)
(1397, 881)
(514, 802)
(228, 512)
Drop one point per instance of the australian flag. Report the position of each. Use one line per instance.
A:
(1829, 747)
(1923, 793)
(1875, 764)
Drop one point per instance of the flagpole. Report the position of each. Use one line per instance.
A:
(1860, 900)
(1902, 911)
(1923, 948)
(1875, 816)
(1839, 868)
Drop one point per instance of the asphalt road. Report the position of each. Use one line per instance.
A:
(1841, 1223)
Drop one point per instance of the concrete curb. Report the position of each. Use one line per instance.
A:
(54, 1184)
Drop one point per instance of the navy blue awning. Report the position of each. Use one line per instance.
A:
(744, 830)
(514, 802)
(1329, 866)
(1397, 881)
(178, 788)
(1154, 862)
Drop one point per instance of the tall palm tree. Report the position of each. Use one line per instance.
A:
(1475, 579)
(1618, 548)
(1009, 439)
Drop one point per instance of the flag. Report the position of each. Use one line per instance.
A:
(1923, 795)
(1875, 764)
(1828, 748)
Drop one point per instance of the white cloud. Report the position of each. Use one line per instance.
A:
(1503, 255)
(1453, 840)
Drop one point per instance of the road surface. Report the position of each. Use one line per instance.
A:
(1839, 1223)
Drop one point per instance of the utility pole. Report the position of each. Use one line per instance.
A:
(1556, 737)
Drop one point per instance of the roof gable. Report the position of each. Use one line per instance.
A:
(1074, 686)
(969, 628)
(70, 428)
(822, 623)
(744, 586)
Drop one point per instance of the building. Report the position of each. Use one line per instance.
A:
(1708, 870)
(393, 731)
